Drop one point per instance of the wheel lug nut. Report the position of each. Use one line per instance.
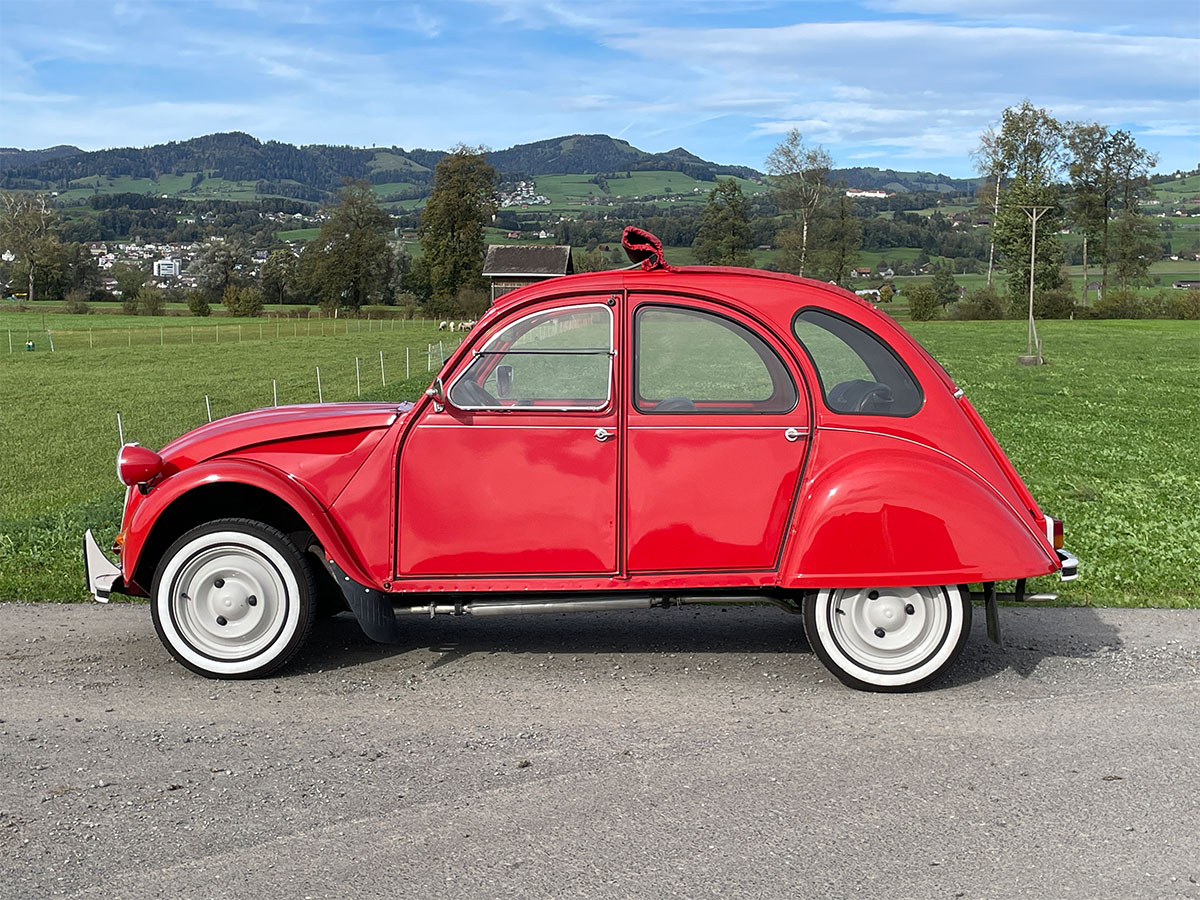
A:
(879, 632)
(252, 600)
(874, 595)
(909, 608)
(221, 620)
(219, 583)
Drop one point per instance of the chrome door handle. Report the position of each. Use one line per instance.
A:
(603, 434)
(793, 434)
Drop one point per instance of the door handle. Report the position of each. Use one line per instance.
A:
(793, 434)
(602, 434)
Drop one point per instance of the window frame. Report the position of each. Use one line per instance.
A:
(502, 327)
(635, 374)
(899, 360)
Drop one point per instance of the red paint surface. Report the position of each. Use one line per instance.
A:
(529, 500)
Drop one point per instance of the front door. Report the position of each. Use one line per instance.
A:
(517, 474)
(717, 435)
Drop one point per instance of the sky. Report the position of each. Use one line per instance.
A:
(904, 84)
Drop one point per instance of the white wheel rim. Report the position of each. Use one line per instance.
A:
(228, 601)
(891, 635)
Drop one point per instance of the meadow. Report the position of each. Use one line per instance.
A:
(1106, 435)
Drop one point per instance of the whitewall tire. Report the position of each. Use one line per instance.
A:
(888, 638)
(233, 598)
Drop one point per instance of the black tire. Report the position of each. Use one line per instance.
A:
(233, 598)
(888, 639)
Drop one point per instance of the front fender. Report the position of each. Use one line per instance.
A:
(151, 508)
(880, 511)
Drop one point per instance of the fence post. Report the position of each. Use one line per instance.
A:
(239, 332)
(50, 337)
(10, 341)
(275, 391)
(160, 335)
(382, 376)
(208, 407)
(407, 368)
(320, 396)
(193, 327)
(218, 327)
(89, 340)
(357, 376)
(130, 337)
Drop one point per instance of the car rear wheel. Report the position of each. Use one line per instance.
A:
(888, 638)
(233, 598)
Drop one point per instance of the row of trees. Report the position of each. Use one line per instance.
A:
(1083, 174)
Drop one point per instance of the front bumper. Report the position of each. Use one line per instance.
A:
(1068, 565)
(102, 576)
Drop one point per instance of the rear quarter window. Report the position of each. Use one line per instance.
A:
(858, 371)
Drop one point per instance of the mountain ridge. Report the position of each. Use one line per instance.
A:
(313, 172)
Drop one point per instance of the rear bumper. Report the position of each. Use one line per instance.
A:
(1068, 565)
(102, 577)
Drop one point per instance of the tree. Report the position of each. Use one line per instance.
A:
(220, 265)
(837, 240)
(242, 301)
(352, 266)
(277, 278)
(129, 278)
(801, 176)
(150, 301)
(723, 238)
(1092, 185)
(944, 286)
(1134, 245)
(990, 163)
(451, 231)
(1030, 144)
(922, 302)
(886, 293)
(27, 231)
(197, 304)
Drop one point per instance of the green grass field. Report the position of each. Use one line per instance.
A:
(1105, 435)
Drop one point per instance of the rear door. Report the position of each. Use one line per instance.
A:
(717, 434)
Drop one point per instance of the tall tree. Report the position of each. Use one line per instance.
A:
(990, 163)
(451, 231)
(801, 182)
(723, 238)
(1135, 245)
(219, 265)
(27, 231)
(348, 262)
(838, 238)
(277, 278)
(1031, 149)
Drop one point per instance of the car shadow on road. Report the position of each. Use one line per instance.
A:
(1031, 635)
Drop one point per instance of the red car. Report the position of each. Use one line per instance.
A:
(617, 440)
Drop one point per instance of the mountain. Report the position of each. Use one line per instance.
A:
(242, 167)
(13, 158)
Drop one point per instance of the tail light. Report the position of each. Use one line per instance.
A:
(137, 464)
(1054, 532)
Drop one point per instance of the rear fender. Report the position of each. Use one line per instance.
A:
(892, 513)
(165, 498)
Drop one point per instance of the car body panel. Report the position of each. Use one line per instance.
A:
(429, 497)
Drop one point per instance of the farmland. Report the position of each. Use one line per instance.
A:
(1105, 435)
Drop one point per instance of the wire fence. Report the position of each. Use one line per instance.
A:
(53, 340)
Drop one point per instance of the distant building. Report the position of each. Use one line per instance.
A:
(513, 266)
(166, 268)
(867, 195)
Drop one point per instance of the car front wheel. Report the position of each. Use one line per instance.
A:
(233, 598)
(888, 638)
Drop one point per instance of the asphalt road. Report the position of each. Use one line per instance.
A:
(680, 753)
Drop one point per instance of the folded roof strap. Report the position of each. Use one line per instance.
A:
(643, 247)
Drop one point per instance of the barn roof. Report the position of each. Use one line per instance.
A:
(537, 260)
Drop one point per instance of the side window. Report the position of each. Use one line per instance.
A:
(858, 372)
(554, 359)
(690, 361)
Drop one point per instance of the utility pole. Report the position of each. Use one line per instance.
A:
(1033, 352)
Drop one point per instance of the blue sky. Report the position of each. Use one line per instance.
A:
(906, 84)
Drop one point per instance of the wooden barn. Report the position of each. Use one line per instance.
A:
(512, 266)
